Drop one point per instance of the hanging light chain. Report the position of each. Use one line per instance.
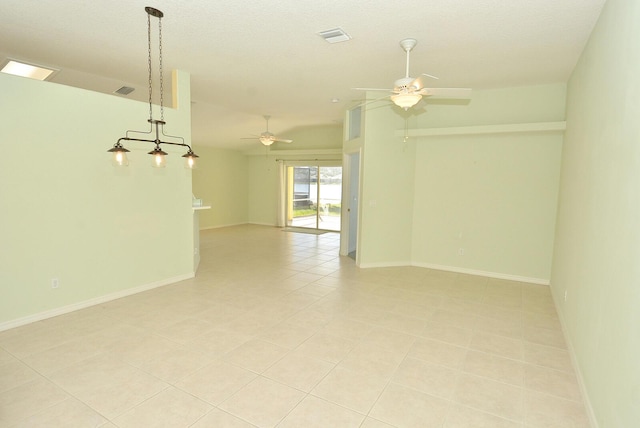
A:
(150, 74)
(161, 78)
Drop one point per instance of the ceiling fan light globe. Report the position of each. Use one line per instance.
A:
(267, 141)
(406, 100)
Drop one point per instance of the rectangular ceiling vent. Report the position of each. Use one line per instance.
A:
(334, 35)
(125, 90)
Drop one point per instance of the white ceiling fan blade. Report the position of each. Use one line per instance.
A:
(460, 93)
(279, 140)
(431, 76)
(372, 89)
(366, 103)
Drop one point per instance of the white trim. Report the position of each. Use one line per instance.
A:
(497, 275)
(223, 225)
(510, 128)
(593, 421)
(91, 302)
(383, 264)
(300, 152)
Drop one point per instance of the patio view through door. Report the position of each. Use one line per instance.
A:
(314, 196)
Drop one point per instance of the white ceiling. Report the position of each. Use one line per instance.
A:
(250, 58)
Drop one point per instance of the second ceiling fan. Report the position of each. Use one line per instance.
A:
(267, 138)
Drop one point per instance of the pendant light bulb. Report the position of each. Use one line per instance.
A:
(159, 157)
(190, 159)
(119, 155)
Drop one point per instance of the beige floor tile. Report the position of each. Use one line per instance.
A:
(34, 340)
(548, 356)
(373, 360)
(501, 346)
(299, 371)
(494, 367)
(447, 333)
(219, 419)
(402, 323)
(350, 389)
(374, 423)
(545, 336)
(546, 411)
(533, 320)
(216, 382)
(63, 355)
(28, 399)
(6, 357)
(347, 328)
(287, 334)
(141, 350)
(108, 385)
(404, 407)
(250, 404)
(186, 330)
(505, 401)
(326, 347)
(429, 378)
(500, 327)
(388, 339)
(551, 381)
(465, 417)
(453, 318)
(441, 353)
(217, 343)
(176, 364)
(314, 412)
(169, 408)
(16, 373)
(68, 413)
(256, 355)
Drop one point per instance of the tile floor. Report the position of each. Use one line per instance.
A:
(277, 330)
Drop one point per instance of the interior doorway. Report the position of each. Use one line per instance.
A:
(314, 197)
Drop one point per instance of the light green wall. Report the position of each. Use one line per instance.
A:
(597, 252)
(263, 190)
(493, 196)
(68, 214)
(387, 188)
(221, 180)
(311, 138)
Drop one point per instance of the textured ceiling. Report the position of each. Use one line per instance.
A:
(250, 58)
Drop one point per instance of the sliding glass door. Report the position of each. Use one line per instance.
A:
(314, 195)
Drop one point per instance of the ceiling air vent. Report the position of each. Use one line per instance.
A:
(125, 90)
(334, 35)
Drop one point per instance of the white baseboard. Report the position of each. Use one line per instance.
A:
(497, 275)
(222, 225)
(576, 368)
(384, 264)
(91, 302)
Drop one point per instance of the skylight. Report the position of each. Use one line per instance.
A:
(28, 70)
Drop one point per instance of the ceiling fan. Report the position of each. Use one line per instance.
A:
(407, 91)
(267, 138)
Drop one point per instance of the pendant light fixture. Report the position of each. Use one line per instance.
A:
(156, 126)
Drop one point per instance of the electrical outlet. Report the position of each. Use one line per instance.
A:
(565, 295)
(55, 283)
(461, 251)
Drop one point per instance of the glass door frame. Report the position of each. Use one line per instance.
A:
(290, 191)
